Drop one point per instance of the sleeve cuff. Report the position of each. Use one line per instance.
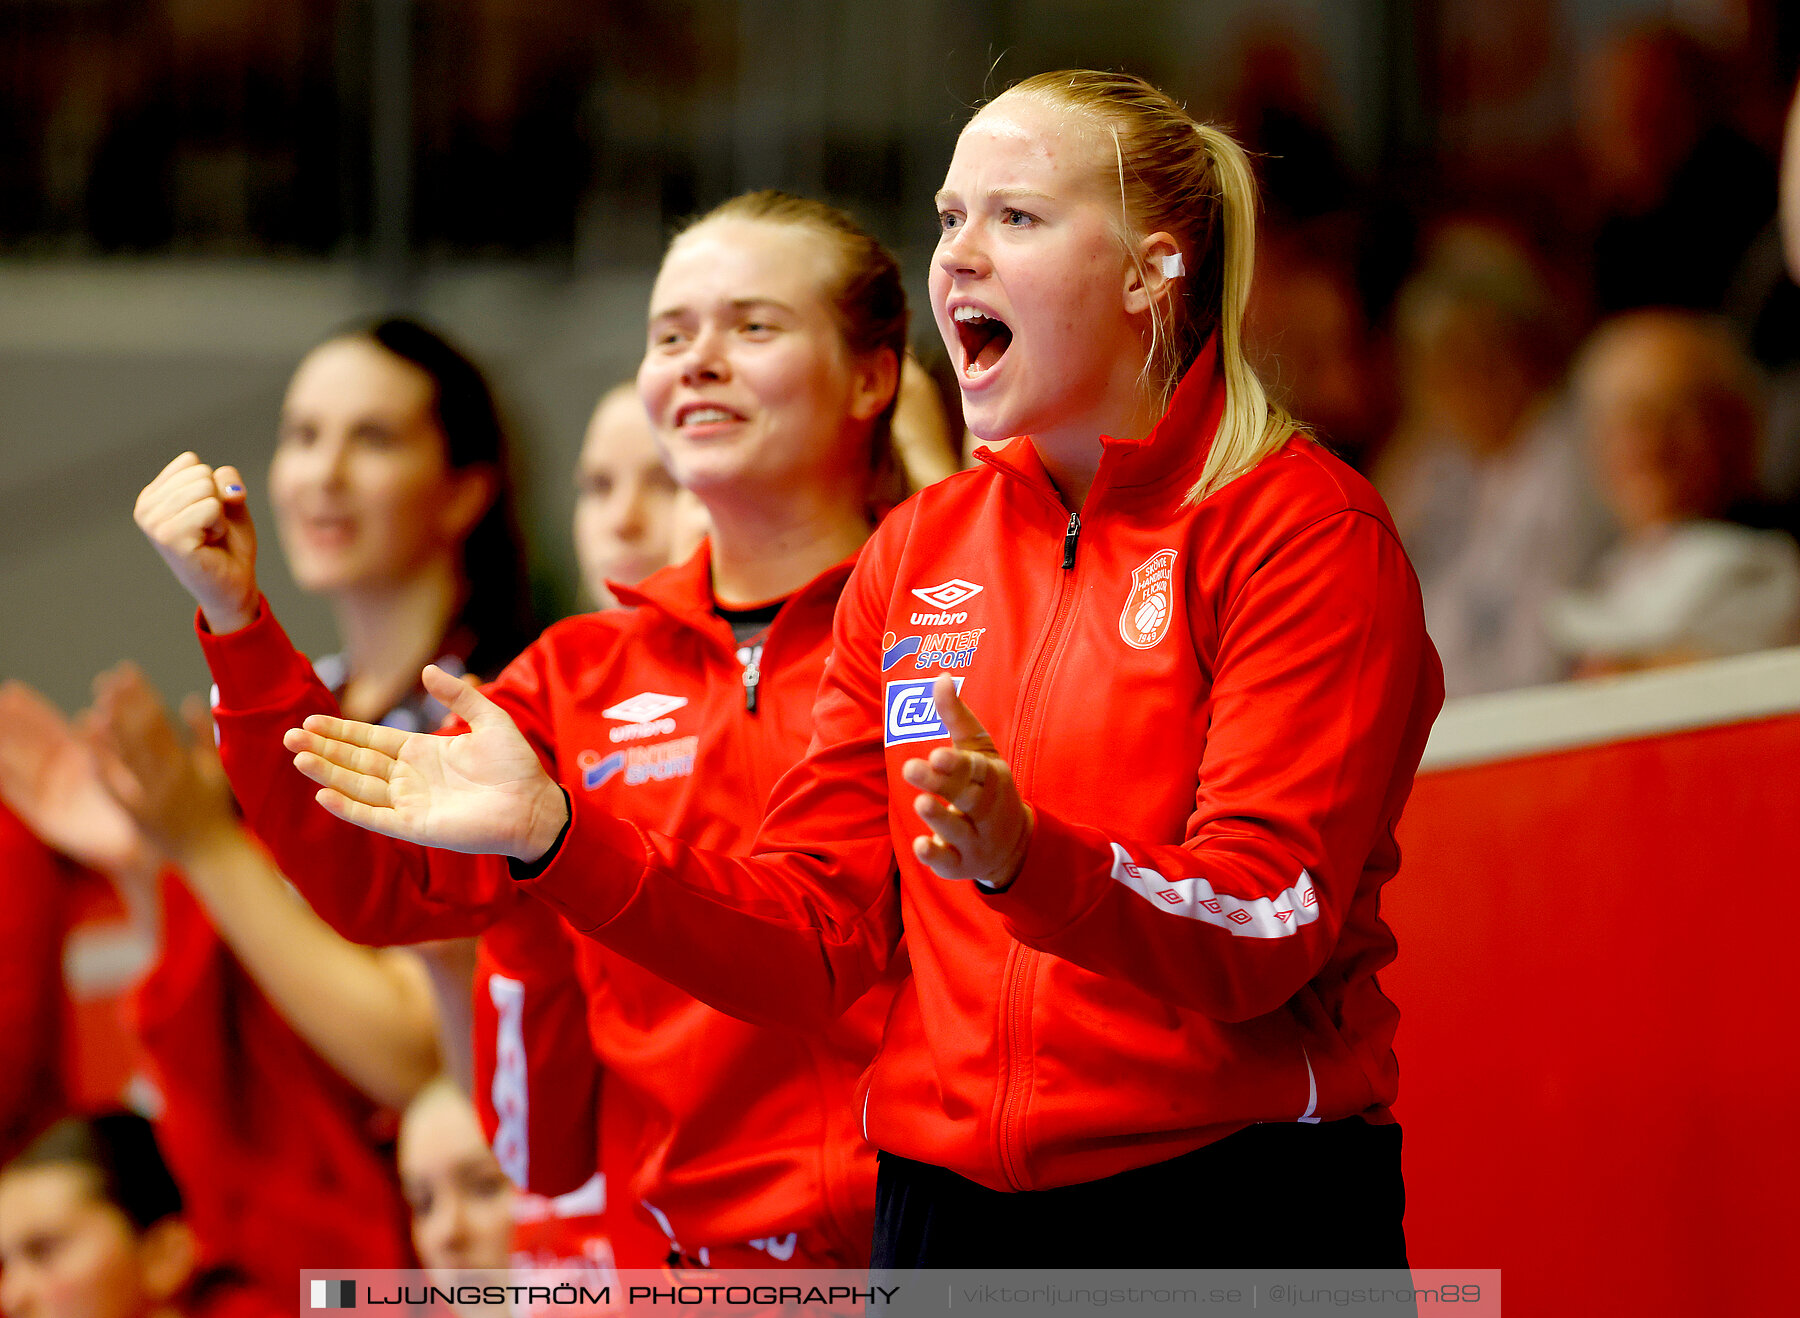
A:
(523, 872)
(592, 871)
(253, 661)
(1050, 892)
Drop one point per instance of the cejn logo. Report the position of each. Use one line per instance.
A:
(912, 714)
(643, 716)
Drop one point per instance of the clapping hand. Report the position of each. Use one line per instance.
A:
(980, 825)
(50, 779)
(173, 787)
(484, 792)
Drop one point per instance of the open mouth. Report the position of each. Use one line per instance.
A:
(984, 340)
(706, 414)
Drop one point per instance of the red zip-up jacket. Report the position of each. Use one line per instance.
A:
(283, 1163)
(539, 1089)
(1216, 710)
(528, 998)
(33, 999)
(753, 1131)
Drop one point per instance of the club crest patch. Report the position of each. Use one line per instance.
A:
(1145, 618)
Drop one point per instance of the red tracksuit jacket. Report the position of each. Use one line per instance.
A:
(1216, 710)
(753, 1131)
(528, 997)
(539, 1090)
(282, 1162)
(33, 1000)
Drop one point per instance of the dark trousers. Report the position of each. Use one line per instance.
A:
(1279, 1195)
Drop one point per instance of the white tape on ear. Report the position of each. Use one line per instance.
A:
(1173, 266)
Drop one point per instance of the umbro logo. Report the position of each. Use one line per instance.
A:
(644, 715)
(948, 594)
(645, 707)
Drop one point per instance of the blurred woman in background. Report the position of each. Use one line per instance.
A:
(462, 1202)
(92, 1226)
(282, 1052)
(625, 499)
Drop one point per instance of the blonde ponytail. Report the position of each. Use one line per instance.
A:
(1194, 181)
(1251, 427)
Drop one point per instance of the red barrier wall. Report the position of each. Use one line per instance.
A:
(1599, 1054)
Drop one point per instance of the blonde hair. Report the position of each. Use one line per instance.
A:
(1193, 181)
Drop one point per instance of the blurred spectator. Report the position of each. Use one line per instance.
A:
(91, 1226)
(625, 497)
(1276, 110)
(1672, 408)
(1779, 467)
(1484, 475)
(1498, 91)
(1681, 192)
(1314, 346)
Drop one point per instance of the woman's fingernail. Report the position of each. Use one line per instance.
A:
(234, 489)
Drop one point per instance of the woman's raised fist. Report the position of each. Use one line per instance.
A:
(196, 517)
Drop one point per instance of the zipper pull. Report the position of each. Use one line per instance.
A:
(1070, 538)
(752, 679)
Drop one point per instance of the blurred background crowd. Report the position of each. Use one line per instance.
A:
(1521, 264)
(1459, 197)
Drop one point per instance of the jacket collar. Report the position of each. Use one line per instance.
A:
(683, 591)
(1170, 456)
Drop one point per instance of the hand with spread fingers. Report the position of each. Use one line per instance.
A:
(980, 825)
(175, 790)
(484, 792)
(368, 1011)
(49, 778)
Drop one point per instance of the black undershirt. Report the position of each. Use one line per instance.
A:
(747, 624)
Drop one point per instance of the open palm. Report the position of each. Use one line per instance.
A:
(484, 792)
(49, 777)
